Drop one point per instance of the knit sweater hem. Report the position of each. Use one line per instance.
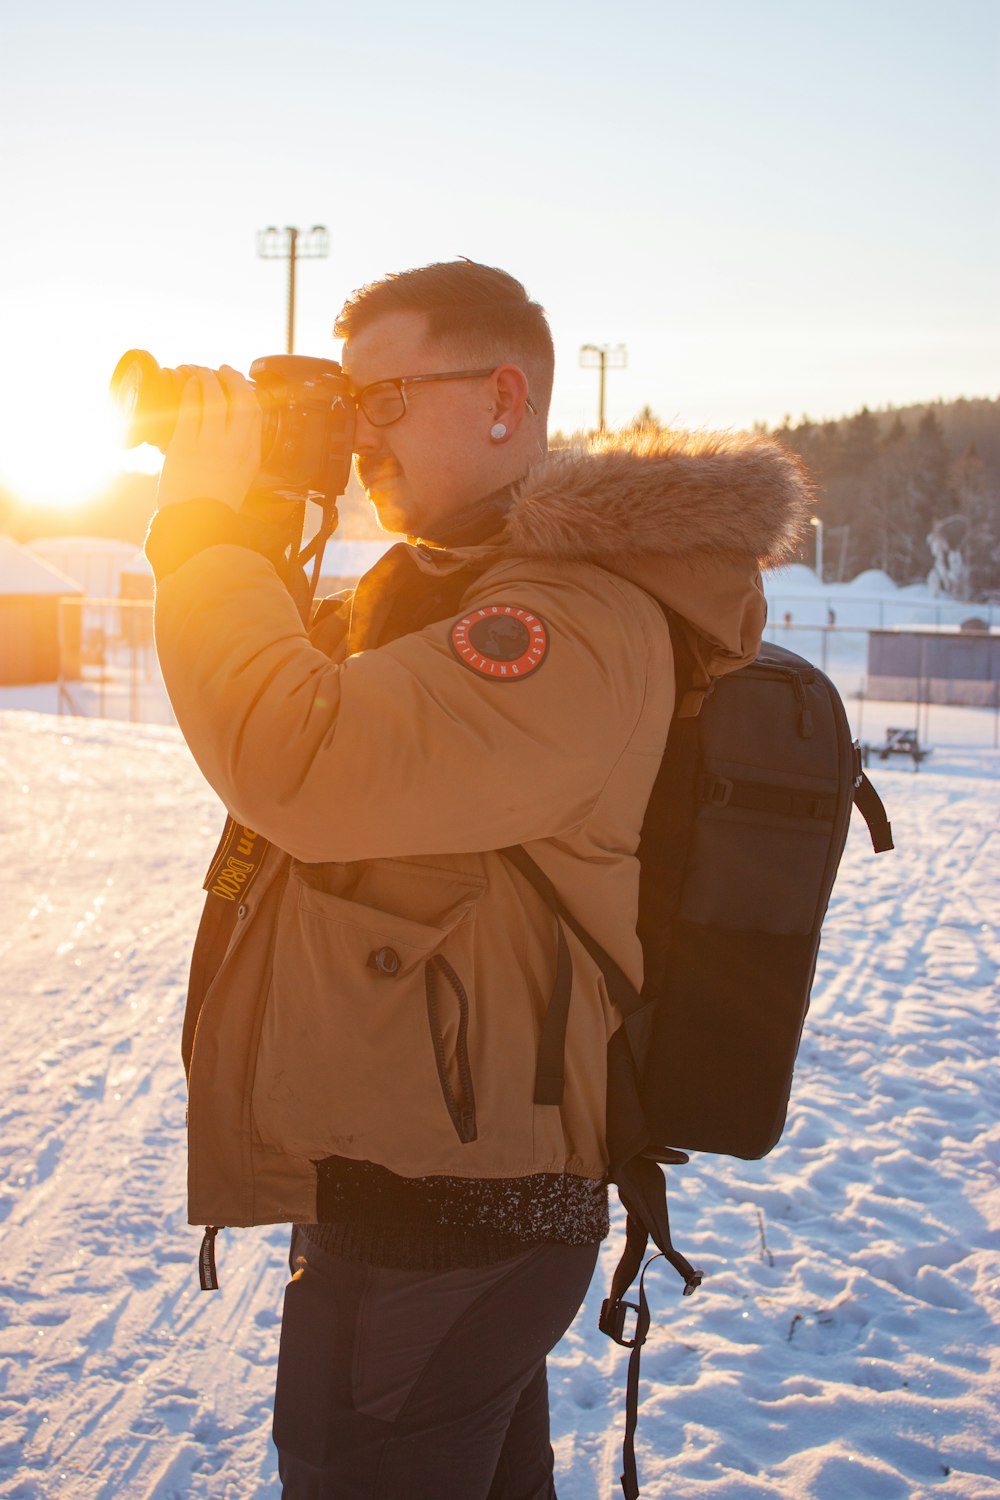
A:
(368, 1214)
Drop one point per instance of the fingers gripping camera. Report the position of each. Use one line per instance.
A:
(306, 404)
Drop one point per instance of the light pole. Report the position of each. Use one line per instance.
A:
(293, 245)
(603, 357)
(815, 521)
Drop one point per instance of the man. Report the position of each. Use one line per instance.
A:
(373, 1044)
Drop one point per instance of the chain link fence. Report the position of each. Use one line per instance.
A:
(107, 662)
(108, 670)
(842, 652)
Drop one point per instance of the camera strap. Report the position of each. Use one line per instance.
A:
(236, 862)
(277, 518)
(403, 599)
(314, 549)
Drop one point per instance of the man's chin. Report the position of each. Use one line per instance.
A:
(391, 515)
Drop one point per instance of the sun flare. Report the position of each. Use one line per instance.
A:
(66, 462)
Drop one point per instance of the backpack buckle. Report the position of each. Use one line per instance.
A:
(717, 791)
(612, 1322)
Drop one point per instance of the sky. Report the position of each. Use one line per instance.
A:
(777, 207)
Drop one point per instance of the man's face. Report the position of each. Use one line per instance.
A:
(438, 458)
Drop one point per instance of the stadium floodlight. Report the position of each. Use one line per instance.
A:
(293, 245)
(603, 357)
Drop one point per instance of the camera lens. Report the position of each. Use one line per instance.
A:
(306, 404)
(147, 398)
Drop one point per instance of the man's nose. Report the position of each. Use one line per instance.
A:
(367, 439)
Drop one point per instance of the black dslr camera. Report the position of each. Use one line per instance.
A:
(308, 413)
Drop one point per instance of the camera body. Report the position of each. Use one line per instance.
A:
(307, 406)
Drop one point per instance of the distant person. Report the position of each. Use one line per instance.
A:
(367, 1013)
(831, 616)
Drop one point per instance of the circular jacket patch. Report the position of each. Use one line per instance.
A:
(500, 641)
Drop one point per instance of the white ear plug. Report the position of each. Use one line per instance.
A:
(498, 431)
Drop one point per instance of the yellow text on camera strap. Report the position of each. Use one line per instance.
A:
(236, 862)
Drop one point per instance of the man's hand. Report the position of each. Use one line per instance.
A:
(214, 453)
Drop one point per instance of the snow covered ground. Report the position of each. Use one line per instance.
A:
(844, 1342)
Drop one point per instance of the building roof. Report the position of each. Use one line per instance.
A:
(22, 573)
(137, 564)
(88, 545)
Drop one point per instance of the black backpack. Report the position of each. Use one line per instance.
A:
(740, 846)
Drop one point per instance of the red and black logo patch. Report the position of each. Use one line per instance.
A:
(500, 641)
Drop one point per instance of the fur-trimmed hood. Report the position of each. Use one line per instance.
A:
(689, 517)
(674, 494)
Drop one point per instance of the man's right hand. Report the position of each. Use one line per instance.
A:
(215, 452)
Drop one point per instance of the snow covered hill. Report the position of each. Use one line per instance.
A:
(844, 1343)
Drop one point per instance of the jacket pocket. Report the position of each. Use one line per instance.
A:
(364, 1042)
(452, 1057)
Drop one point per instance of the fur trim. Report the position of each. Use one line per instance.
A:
(679, 494)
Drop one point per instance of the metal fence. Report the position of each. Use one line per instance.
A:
(108, 669)
(863, 611)
(841, 651)
(107, 662)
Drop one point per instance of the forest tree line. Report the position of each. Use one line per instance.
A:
(912, 490)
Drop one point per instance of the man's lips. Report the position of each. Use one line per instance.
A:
(372, 476)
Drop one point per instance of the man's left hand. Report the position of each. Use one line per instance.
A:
(215, 452)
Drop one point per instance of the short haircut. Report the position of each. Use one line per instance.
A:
(481, 312)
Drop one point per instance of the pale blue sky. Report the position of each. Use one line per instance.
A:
(777, 205)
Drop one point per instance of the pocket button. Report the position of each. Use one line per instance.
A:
(386, 961)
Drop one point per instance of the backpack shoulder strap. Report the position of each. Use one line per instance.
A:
(550, 1066)
(620, 988)
(643, 1192)
(640, 1179)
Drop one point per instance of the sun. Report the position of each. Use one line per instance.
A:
(66, 459)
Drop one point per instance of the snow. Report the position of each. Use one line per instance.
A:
(869, 601)
(346, 559)
(872, 581)
(843, 1343)
(350, 557)
(794, 578)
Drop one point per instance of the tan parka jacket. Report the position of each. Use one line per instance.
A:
(376, 990)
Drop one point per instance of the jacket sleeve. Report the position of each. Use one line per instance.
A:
(404, 749)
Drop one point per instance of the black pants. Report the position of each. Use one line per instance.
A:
(421, 1385)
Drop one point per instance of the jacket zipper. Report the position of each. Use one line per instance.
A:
(462, 1110)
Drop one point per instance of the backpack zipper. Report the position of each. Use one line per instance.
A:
(796, 681)
(462, 1110)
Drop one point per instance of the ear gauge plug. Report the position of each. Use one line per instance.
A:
(498, 432)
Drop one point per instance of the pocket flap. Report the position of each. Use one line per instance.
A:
(390, 943)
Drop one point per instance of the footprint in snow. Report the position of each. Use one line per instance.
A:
(587, 1390)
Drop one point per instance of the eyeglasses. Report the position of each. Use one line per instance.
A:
(384, 401)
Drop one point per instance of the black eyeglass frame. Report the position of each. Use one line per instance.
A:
(402, 381)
